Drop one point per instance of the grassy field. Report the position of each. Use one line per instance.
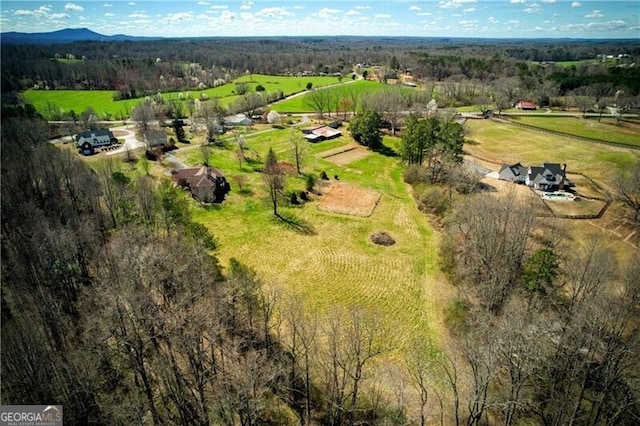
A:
(327, 258)
(102, 100)
(605, 130)
(361, 87)
(511, 144)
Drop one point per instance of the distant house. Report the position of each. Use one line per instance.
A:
(237, 120)
(155, 138)
(88, 141)
(320, 133)
(549, 177)
(206, 184)
(513, 173)
(526, 105)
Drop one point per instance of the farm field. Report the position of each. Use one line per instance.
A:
(327, 258)
(108, 109)
(605, 130)
(360, 87)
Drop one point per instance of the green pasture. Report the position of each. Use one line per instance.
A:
(360, 87)
(605, 129)
(289, 85)
(326, 258)
(79, 100)
(106, 108)
(504, 143)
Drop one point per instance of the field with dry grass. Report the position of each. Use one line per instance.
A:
(322, 250)
(502, 143)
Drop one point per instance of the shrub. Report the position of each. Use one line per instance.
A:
(324, 176)
(309, 85)
(153, 155)
(310, 181)
(304, 196)
(241, 88)
(293, 198)
(434, 201)
(382, 239)
(416, 174)
(260, 88)
(456, 315)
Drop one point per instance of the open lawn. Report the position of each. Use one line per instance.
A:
(327, 258)
(107, 109)
(505, 143)
(605, 129)
(360, 87)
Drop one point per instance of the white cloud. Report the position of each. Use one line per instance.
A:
(246, 5)
(534, 8)
(352, 12)
(327, 12)
(425, 14)
(363, 7)
(41, 12)
(131, 3)
(59, 16)
(470, 10)
(203, 3)
(173, 18)
(107, 5)
(73, 7)
(513, 22)
(594, 14)
(109, 14)
(548, 1)
(298, 7)
(138, 16)
(382, 16)
(517, 1)
(576, 4)
(274, 12)
(415, 8)
(454, 4)
(493, 20)
(219, 7)
(227, 16)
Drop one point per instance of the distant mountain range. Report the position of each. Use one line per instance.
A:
(68, 35)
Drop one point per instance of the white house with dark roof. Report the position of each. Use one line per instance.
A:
(549, 177)
(88, 141)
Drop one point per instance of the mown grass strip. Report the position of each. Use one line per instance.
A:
(604, 130)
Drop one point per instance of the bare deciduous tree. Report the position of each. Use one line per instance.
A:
(494, 231)
(274, 177)
(628, 189)
(299, 150)
(143, 114)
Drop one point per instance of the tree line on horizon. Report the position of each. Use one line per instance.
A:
(136, 69)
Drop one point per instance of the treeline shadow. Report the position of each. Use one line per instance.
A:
(296, 224)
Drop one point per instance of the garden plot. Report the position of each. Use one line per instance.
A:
(348, 199)
(345, 154)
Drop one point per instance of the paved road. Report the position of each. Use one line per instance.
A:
(130, 141)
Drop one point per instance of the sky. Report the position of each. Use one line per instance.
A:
(588, 19)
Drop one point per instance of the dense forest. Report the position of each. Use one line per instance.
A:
(135, 69)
